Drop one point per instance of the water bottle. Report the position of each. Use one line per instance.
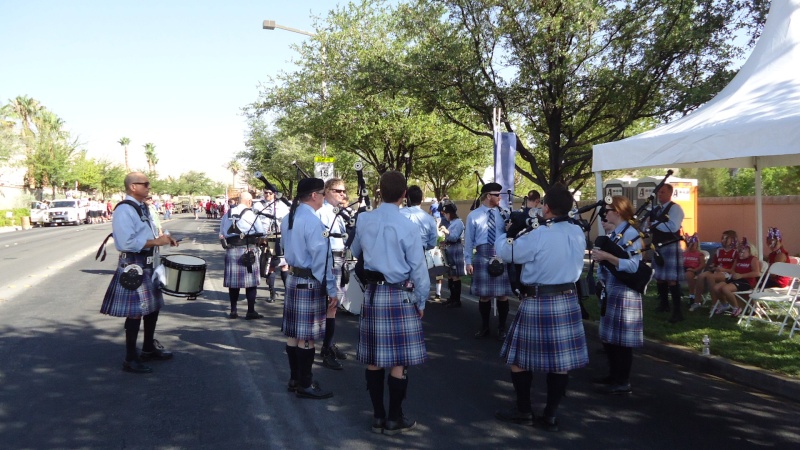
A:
(706, 348)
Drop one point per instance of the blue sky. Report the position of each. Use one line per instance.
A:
(174, 73)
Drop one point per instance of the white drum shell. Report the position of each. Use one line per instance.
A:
(185, 275)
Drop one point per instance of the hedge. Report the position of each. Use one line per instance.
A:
(16, 219)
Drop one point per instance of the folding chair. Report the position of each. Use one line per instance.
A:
(706, 298)
(763, 304)
(741, 295)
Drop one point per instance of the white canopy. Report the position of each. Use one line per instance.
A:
(753, 122)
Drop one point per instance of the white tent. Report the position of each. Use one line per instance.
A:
(754, 122)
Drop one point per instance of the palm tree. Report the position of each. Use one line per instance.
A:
(25, 109)
(150, 154)
(235, 166)
(124, 142)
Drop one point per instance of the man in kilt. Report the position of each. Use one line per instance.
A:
(390, 327)
(666, 220)
(276, 210)
(241, 228)
(483, 226)
(312, 286)
(547, 333)
(335, 191)
(136, 238)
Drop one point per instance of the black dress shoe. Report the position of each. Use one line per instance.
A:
(252, 315)
(233, 315)
(482, 333)
(159, 353)
(338, 353)
(314, 392)
(402, 425)
(271, 299)
(549, 423)
(620, 389)
(378, 424)
(454, 304)
(292, 386)
(514, 415)
(135, 366)
(329, 360)
(603, 380)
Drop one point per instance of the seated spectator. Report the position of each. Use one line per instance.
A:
(693, 263)
(745, 274)
(777, 254)
(721, 263)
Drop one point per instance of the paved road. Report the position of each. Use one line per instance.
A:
(61, 385)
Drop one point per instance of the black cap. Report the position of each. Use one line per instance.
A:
(309, 185)
(489, 187)
(449, 208)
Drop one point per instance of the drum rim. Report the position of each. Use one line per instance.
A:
(180, 266)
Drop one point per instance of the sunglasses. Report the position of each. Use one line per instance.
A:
(494, 195)
(339, 191)
(145, 184)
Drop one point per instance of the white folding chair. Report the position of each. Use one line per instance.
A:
(766, 303)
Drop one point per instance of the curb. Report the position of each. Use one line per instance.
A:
(750, 376)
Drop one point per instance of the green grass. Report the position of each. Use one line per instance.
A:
(757, 345)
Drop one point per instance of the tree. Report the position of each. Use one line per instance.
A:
(124, 143)
(113, 178)
(235, 166)
(567, 73)
(85, 172)
(49, 163)
(150, 155)
(24, 109)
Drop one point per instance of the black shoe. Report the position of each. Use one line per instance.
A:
(501, 335)
(549, 423)
(313, 392)
(437, 298)
(603, 380)
(252, 315)
(338, 353)
(292, 386)
(159, 353)
(233, 315)
(448, 301)
(619, 389)
(135, 366)
(393, 427)
(454, 304)
(675, 319)
(482, 333)
(271, 298)
(378, 425)
(329, 360)
(514, 415)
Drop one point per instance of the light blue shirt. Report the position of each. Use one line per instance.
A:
(304, 246)
(328, 217)
(456, 230)
(477, 232)
(248, 223)
(426, 224)
(625, 265)
(130, 231)
(673, 225)
(391, 245)
(549, 254)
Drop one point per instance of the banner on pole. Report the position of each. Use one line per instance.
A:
(505, 151)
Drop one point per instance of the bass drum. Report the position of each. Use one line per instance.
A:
(185, 275)
(437, 265)
(354, 297)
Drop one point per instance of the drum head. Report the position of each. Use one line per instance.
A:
(184, 262)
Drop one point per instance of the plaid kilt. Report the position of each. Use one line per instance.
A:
(455, 259)
(547, 335)
(121, 302)
(236, 274)
(482, 284)
(390, 330)
(672, 270)
(304, 310)
(338, 264)
(622, 324)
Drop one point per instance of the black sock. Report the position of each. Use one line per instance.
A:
(450, 288)
(556, 388)
(456, 296)
(330, 328)
(663, 295)
(485, 309)
(397, 392)
(250, 294)
(522, 386)
(675, 291)
(233, 296)
(291, 354)
(305, 361)
(149, 331)
(131, 334)
(625, 355)
(502, 313)
(375, 388)
(612, 360)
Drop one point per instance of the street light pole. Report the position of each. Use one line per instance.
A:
(272, 25)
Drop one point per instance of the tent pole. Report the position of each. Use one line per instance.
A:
(598, 188)
(759, 213)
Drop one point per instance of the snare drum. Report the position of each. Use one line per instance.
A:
(436, 263)
(185, 275)
(354, 297)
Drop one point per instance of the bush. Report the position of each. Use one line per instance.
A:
(16, 216)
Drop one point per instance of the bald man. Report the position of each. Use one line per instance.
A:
(241, 229)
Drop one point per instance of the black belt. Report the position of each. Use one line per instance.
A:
(236, 241)
(301, 272)
(541, 290)
(339, 254)
(375, 278)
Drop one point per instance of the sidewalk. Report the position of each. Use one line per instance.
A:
(754, 377)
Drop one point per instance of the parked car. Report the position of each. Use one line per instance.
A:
(66, 211)
(39, 214)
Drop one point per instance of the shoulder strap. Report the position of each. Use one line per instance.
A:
(134, 205)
